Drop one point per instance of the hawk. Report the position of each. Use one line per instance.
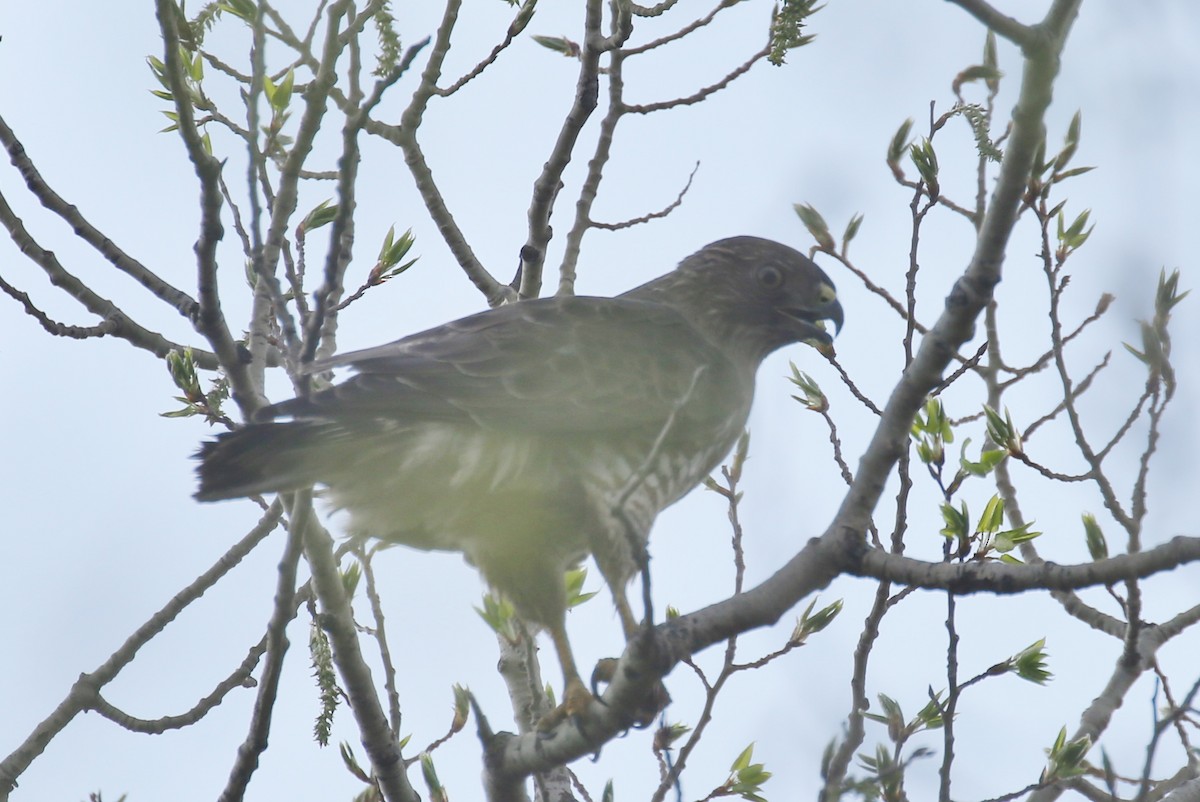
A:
(531, 435)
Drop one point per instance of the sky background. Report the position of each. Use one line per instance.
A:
(100, 529)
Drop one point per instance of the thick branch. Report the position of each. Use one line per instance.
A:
(338, 621)
(1006, 26)
(997, 577)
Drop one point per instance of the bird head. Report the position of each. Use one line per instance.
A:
(755, 295)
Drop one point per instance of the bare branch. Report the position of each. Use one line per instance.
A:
(240, 677)
(115, 322)
(209, 321)
(548, 183)
(53, 326)
(706, 91)
(524, 15)
(661, 213)
(338, 619)
(691, 27)
(85, 692)
(1009, 28)
(405, 136)
(174, 297)
(276, 642)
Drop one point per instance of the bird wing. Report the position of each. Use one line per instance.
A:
(552, 365)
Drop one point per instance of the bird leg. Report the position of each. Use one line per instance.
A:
(576, 697)
(629, 624)
(657, 697)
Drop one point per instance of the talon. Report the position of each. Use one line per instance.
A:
(605, 670)
(576, 701)
(653, 703)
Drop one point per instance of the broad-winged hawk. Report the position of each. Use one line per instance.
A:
(530, 435)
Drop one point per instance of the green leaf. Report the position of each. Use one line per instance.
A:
(810, 622)
(324, 213)
(956, 521)
(924, 158)
(1096, 543)
(988, 460)
(1030, 663)
(350, 579)
(898, 146)
(787, 28)
(282, 95)
(811, 396)
(437, 793)
(1067, 758)
(743, 759)
(1002, 431)
(351, 762)
(559, 44)
(498, 613)
(574, 582)
(851, 230)
(243, 9)
(816, 226)
(462, 705)
(993, 516)
(1008, 540)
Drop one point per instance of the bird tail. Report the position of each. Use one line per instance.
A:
(259, 458)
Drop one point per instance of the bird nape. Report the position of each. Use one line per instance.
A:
(531, 435)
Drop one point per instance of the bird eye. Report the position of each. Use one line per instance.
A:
(770, 277)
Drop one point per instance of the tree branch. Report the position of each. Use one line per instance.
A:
(115, 322)
(85, 692)
(174, 297)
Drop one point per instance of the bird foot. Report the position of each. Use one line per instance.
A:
(655, 700)
(576, 701)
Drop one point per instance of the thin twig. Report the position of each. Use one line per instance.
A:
(701, 94)
(661, 213)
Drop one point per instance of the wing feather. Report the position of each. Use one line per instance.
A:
(552, 365)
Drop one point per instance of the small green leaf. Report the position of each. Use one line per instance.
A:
(851, 230)
(1096, 543)
(1002, 431)
(743, 759)
(462, 705)
(575, 578)
(924, 158)
(350, 579)
(956, 521)
(898, 146)
(810, 622)
(498, 613)
(559, 44)
(811, 396)
(1030, 663)
(282, 95)
(816, 226)
(324, 213)
(437, 793)
(993, 516)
